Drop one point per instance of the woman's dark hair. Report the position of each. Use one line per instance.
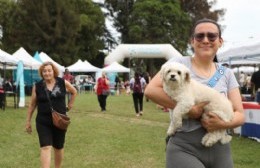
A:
(205, 20)
(137, 77)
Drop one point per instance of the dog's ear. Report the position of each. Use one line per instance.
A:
(162, 72)
(187, 76)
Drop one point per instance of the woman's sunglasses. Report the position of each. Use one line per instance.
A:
(211, 36)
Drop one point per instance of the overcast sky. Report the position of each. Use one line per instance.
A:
(242, 22)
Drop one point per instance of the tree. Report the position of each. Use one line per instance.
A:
(65, 29)
(6, 17)
(152, 21)
(198, 9)
(92, 27)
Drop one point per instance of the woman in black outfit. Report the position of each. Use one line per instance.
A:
(49, 135)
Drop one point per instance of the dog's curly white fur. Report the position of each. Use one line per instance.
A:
(188, 92)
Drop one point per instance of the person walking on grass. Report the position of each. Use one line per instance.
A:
(102, 90)
(49, 136)
(137, 85)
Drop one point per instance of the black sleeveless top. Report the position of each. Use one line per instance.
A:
(58, 100)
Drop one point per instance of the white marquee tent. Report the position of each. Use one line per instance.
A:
(44, 58)
(81, 66)
(7, 58)
(115, 67)
(91, 68)
(26, 58)
(241, 55)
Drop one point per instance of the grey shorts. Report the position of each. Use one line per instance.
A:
(184, 150)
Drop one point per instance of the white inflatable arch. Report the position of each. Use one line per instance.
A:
(141, 51)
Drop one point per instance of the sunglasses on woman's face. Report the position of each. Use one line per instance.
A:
(211, 36)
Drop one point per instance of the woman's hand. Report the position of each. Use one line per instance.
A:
(28, 127)
(197, 110)
(213, 122)
(70, 105)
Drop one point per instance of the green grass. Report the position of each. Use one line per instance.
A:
(116, 139)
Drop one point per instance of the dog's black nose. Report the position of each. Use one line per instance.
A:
(172, 76)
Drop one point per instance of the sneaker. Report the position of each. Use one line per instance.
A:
(137, 115)
(141, 113)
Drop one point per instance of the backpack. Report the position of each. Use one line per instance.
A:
(137, 88)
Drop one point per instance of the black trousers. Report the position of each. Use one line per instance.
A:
(102, 100)
(138, 101)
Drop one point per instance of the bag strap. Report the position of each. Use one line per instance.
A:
(218, 74)
(48, 97)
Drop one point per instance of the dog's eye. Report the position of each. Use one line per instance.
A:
(168, 71)
(179, 72)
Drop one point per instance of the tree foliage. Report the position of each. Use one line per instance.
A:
(153, 21)
(6, 19)
(65, 29)
(198, 9)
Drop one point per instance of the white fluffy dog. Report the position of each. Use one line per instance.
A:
(187, 92)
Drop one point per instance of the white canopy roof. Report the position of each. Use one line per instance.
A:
(80, 66)
(246, 54)
(115, 67)
(45, 58)
(26, 58)
(91, 67)
(7, 58)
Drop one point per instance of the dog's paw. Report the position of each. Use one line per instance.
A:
(208, 140)
(226, 139)
(170, 131)
(177, 124)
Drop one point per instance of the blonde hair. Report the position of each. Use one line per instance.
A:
(55, 69)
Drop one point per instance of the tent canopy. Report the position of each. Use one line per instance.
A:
(81, 66)
(22, 55)
(45, 58)
(241, 55)
(7, 58)
(115, 67)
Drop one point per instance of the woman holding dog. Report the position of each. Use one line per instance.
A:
(184, 148)
(49, 135)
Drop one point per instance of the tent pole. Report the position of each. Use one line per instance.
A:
(4, 68)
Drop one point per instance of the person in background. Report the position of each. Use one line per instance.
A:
(1, 81)
(184, 148)
(49, 135)
(102, 90)
(137, 85)
(242, 79)
(127, 87)
(248, 84)
(70, 78)
(117, 85)
(255, 85)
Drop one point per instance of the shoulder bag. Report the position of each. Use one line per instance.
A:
(59, 120)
